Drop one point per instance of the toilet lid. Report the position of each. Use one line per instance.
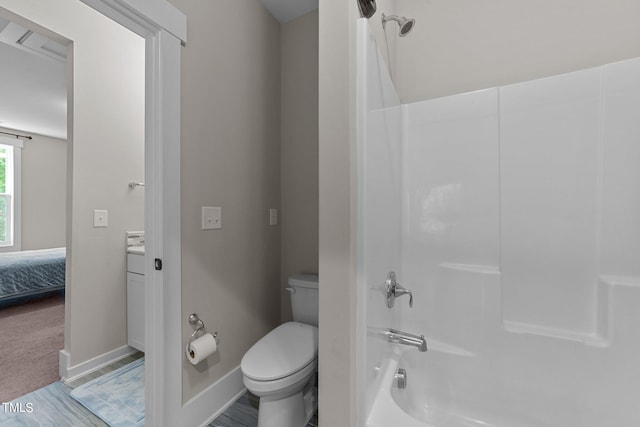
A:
(282, 352)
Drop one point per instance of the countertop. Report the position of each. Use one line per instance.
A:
(136, 250)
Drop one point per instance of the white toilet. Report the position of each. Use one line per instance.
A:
(281, 367)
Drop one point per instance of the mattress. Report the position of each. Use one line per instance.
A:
(31, 272)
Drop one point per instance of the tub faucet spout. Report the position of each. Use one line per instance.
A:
(396, 336)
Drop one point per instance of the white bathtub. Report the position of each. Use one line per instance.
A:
(436, 395)
(445, 390)
(385, 410)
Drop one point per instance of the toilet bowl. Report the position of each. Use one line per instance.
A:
(280, 368)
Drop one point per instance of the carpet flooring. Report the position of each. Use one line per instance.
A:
(31, 337)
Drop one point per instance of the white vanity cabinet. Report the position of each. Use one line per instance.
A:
(135, 298)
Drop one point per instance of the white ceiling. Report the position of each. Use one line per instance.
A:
(287, 10)
(33, 87)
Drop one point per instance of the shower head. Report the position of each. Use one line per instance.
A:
(405, 24)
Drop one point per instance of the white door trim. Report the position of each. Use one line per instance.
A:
(164, 29)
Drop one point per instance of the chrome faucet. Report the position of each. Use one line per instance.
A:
(396, 336)
(394, 290)
(400, 379)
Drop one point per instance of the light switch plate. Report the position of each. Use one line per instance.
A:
(100, 218)
(211, 218)
(273, 216)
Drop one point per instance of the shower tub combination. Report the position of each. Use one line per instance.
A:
(512, 215)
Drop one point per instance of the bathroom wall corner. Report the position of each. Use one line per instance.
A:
(298, 222)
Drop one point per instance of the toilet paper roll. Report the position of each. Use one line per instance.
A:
(201, 348)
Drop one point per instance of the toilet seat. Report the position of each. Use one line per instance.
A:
(282, 386)
(283, 352)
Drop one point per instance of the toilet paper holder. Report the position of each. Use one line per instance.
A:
(194, 320)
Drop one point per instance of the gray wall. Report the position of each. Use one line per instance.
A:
(44, 193)
(107, 151)
(230, 158)
(463, 46)
(337, 221)
(299, 150)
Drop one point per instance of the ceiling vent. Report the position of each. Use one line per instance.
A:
(22, 38)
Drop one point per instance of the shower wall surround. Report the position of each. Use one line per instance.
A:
(513, 214)
(535, 183)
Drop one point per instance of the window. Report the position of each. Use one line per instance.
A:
(6, 191)
(10, 195)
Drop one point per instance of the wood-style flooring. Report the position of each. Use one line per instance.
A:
(244, 413)
(52, 405)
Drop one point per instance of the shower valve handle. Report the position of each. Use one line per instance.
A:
(395, 290)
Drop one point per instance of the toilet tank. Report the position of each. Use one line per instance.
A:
(304, 298)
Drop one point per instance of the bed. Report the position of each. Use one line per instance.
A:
(29, 273)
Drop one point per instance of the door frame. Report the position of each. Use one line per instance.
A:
(164, 29)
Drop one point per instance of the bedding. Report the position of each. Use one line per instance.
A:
(31, 272)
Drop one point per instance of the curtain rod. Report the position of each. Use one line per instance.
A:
(16, 135)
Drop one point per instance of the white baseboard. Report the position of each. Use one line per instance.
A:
(70, 373)
(214, 400)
